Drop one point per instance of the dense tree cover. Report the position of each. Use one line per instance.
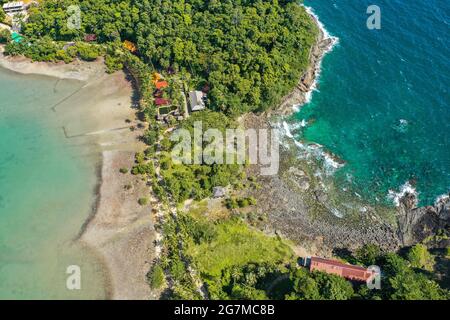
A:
(174, 262)
(5, 36)
(47, 31)
(405, 283)
(45, 49)
(108, 19)
(249, 52)
(319, 286)
(182, 181)
(247, 282)
(2, 14)
(419, 257)
(156, 277)
(406, 279)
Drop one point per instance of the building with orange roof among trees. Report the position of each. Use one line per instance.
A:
(130, 46)
(161, 85)
(347, 271)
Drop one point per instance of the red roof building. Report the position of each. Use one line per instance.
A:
(90, 37)
(161, 85)
(350, 272)
(161, 102)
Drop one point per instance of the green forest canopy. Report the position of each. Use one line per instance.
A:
(250, 52)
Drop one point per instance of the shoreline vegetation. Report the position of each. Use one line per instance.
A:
(160, 246)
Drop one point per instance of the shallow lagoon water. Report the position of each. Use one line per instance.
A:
(47, 189)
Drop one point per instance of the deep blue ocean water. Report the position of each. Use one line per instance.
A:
(383, 102)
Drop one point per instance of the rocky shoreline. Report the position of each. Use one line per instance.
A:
(416, 224)
(298, 208)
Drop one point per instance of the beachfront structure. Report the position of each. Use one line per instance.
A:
(347, 271)
(161, 85)
(15, 37)
(13, 8)
(90, 37)
(130, 46)
(197, 100)
(161, 102)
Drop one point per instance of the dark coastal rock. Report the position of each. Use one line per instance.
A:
(416, 224)
(299, 178)
(301, 210)
(325, 44)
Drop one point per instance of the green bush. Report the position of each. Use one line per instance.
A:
(419, 257)
(143, 201)
(5, 35)
(62, 55)
(87, 52)
(2, 14)
(150, 137)
(156, 277)
(368, 254)
(123, 170)
(200, 231)
(113, 63)
(233, 203)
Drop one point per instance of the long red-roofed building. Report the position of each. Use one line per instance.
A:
(350, 272)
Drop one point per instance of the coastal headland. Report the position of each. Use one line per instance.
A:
(121, 232)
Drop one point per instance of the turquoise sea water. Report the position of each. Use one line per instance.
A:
(46, 192)
(383, 104)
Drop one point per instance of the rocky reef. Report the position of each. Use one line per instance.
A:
(416, 224)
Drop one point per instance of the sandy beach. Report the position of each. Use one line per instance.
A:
(78, 70)
(98, 118)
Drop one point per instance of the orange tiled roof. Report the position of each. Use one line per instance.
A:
(161, 84)
(345, 270)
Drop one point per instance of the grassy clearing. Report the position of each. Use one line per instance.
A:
(236, 244)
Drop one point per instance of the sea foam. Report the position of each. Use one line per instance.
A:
(313, 150)
(405, 189)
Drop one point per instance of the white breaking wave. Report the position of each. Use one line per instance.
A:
(310, 150)
(441, 198)
(317, 151)
(313, 150)
(287, 130)
(405, 189)
(334, 41)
